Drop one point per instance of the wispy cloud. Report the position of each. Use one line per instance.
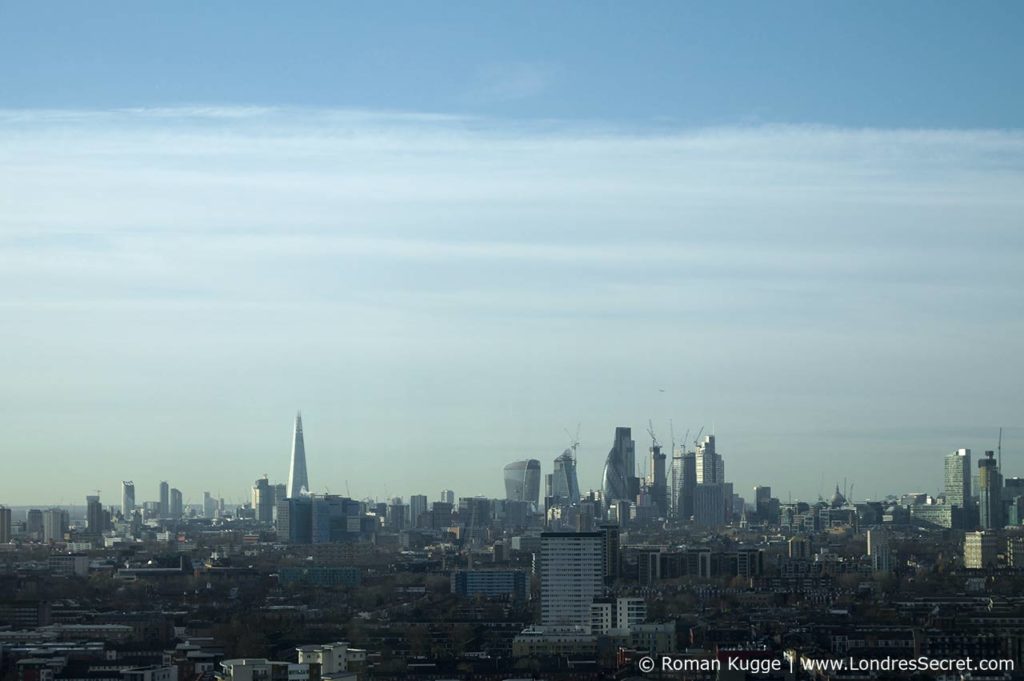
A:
(796, 272)
(497, 83)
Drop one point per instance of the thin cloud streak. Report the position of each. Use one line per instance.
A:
(441, 270)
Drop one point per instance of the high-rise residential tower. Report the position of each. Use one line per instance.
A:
(55, 524)
(209, 505)
(177, 508)
(127, 498)
(34, 523)
(990, 494)
(620, 468)
(5, 525)
(879, 550)
(572, 569)
(165, 499)
(958, 478)
(522, 481)
(298, 480)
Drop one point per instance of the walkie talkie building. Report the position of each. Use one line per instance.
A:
(522, 481)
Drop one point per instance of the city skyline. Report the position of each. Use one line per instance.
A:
(938, 469)
(588, 339)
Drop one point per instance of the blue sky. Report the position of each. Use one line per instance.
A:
(902, 64)
(446, 232)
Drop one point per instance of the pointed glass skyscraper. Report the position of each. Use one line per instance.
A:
(298, 481)
(620, 468)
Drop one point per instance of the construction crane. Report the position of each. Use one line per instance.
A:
(686, 438)
(999, 449)
(574, 440)
(697, 439)
(672, 435)
(650, 431)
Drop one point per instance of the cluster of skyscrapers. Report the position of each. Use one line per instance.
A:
(694, 488)
(170, 505)
(998, 502)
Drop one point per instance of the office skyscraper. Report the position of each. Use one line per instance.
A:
(958, 478)
(684, 480)
(330, 518)
(263, 500)
(522, 481)
(5, 525)
(94, 515)
(990, 494)
(417, 507)
(710, 466)
(572, 568)
(620, 468)
(709, 503)
(165, 499)
(127, 498)
(448, 496)
(298, 479)
(564, 488)
(675, 481)
(295, 520)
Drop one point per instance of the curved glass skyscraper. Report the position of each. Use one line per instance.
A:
(522, 481)
(620, 468)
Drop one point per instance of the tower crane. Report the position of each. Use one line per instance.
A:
(574, 441)
(650, 431)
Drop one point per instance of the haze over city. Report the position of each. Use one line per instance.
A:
(445, 278)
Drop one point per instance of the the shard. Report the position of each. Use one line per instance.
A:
(298, 481)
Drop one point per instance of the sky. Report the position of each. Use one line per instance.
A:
(449, 232)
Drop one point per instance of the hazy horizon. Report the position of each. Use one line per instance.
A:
(447, 234)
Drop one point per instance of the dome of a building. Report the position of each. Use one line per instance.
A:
(838, 500)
